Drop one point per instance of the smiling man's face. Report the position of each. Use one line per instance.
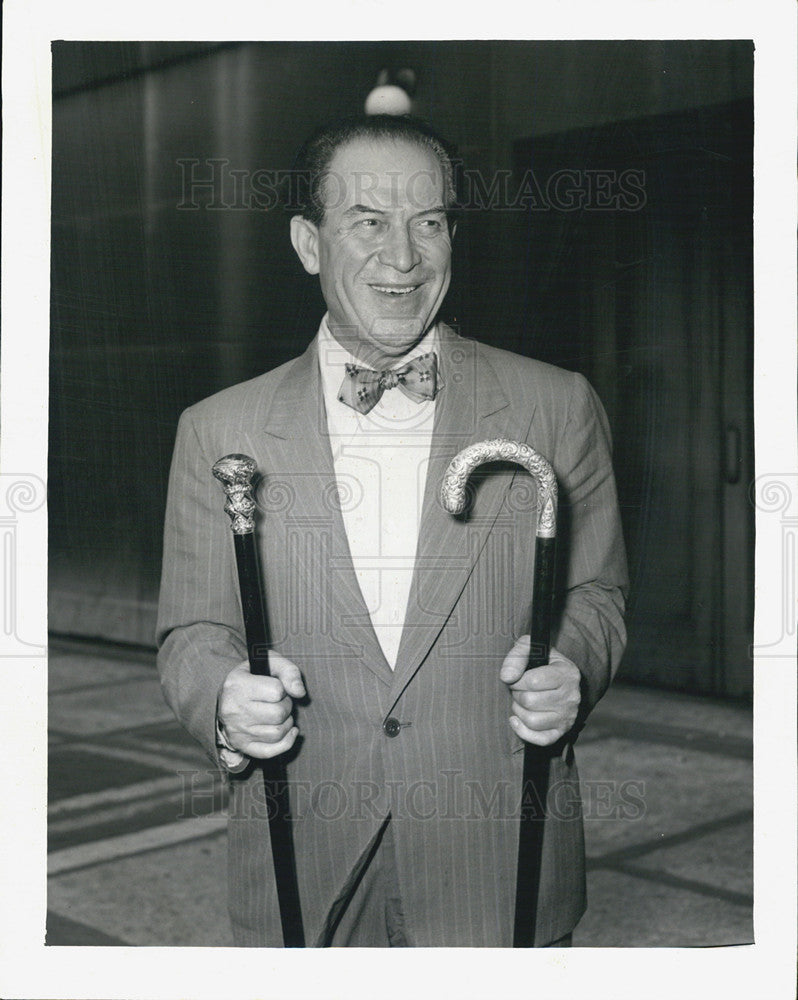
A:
(383, 251)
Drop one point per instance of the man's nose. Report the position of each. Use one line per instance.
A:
(398, 250)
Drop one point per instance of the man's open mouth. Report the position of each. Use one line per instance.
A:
(395, 289)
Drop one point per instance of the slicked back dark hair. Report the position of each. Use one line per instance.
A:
(312, 163)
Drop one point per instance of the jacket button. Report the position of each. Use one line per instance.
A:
(391, 726)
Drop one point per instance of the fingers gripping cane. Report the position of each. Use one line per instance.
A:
(235, 473)
(536, 759)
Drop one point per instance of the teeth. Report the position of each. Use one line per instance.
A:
(395, 291)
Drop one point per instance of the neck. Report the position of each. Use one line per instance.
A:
(370, 354)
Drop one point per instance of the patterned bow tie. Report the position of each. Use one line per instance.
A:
(362, 388)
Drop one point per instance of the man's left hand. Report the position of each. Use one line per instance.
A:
(545, 699)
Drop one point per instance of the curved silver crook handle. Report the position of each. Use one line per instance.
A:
(453, 487)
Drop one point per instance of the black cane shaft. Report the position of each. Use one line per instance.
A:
(535, 786)
(542, 589)
(276, 788)
(255, 627)
(274, 772)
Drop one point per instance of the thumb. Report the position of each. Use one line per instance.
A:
(288, 673)
(515, 662)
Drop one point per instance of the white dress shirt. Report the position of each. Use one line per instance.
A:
(380, 459)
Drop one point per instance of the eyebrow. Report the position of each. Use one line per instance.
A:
(370, 210)
(360, 209)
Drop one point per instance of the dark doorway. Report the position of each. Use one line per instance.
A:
(635, 260)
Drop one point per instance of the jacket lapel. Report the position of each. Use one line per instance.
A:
(471, 407)
(297, 424)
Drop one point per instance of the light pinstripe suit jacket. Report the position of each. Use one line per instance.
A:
(451, 778)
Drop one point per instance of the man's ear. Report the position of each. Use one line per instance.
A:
(305, 238)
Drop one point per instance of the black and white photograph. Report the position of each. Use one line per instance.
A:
(405, 512)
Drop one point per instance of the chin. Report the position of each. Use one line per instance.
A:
(395, 335)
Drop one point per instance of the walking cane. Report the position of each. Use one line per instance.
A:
(235, 473)
(536, 759)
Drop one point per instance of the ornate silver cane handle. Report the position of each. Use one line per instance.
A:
(453, 487)
(235, 473)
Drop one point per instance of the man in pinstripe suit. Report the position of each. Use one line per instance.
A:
(400, 697)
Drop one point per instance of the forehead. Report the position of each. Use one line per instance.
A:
(385, 174)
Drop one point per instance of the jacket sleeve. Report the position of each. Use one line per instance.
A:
(593, 583)
(200, 627)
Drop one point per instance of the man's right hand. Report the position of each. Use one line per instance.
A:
(256, 712)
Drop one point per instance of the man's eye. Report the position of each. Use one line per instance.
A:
(369, 223)
(431, 224)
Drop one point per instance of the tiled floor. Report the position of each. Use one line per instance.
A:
(137, 830)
